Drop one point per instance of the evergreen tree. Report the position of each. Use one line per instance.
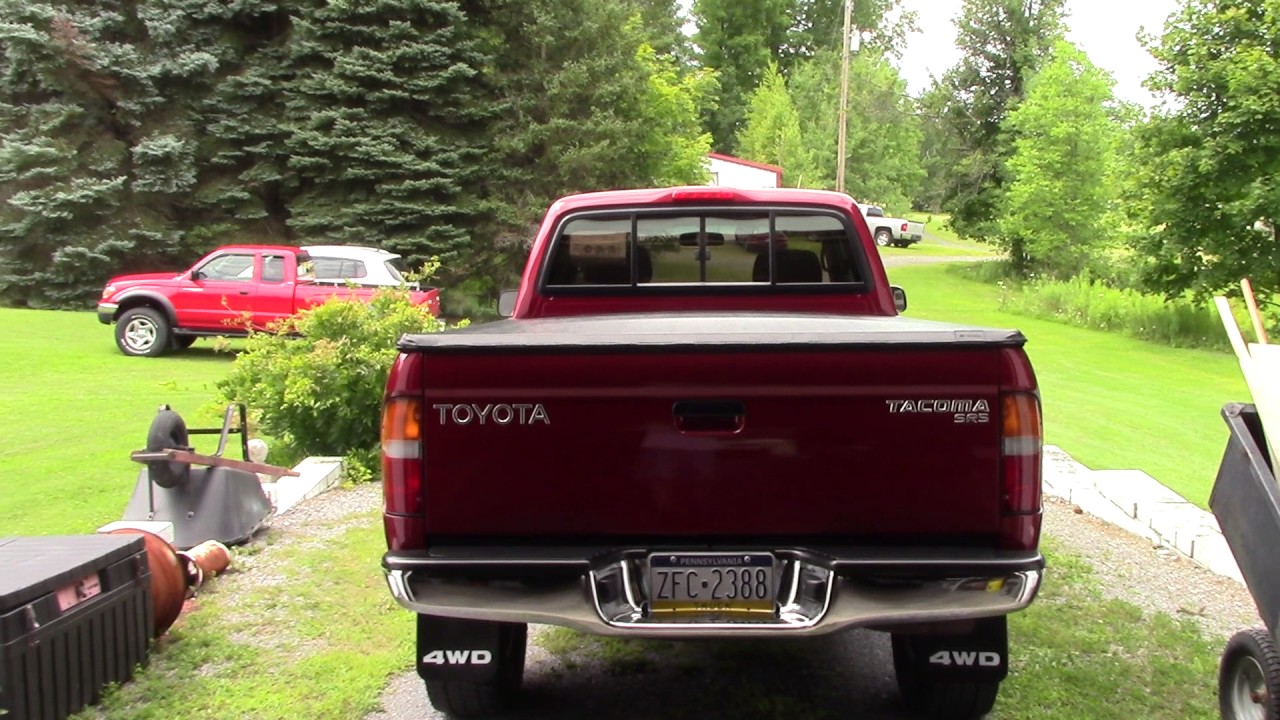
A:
(387, 116)
(245, 185)
(883, 133)
(98, 155)
(819, 24)
(663, 22)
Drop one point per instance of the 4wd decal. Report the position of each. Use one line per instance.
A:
(458, 657)
(965, 658)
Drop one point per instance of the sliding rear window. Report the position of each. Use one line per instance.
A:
(718, 248)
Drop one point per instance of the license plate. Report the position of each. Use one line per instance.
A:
(711, 582)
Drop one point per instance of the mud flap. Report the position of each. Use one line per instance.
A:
(979, 656)
(464, 650)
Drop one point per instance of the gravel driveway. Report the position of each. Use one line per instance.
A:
(851, 672)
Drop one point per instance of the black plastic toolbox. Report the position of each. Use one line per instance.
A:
(1246, 501)
(75, 615)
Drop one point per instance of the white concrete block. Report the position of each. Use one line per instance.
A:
(316, 475)
(1062, 474)
(1096, 504)
(1213, 553)
(1173, 518)
(1129, 488)
(163, 528)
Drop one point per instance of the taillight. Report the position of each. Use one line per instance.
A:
(1021, 440)
(904, 227)
(402, 455)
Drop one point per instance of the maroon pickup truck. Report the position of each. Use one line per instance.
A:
(261, 284)
(685, 431)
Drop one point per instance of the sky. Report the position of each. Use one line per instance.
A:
(1105, 29)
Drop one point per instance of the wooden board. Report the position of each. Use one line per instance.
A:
(1261, 367)
(143, 456)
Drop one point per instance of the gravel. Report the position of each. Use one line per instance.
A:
(1154, 578)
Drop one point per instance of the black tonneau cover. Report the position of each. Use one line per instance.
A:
(708, 332)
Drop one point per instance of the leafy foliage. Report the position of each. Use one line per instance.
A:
(739, 39)
(1004, 43)
(1087, 303)
(1207, 166)
(320, 394)
(772, 133)
(1060, 191)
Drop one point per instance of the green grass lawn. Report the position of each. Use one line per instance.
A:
(1110, 401)
(74, 408)
(938, 225)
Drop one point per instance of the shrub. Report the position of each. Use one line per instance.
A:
(1091, 304)
(320, 391)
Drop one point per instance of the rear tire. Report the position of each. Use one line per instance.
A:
(884, 238)
(143, 332)
(182, 342)
(1249, 677)
(936, 699)
(463, 699)
(167, 431)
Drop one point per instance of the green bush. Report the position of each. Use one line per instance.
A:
(315, 385)
(1091, 304)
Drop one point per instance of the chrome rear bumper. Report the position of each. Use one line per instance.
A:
(814, 597)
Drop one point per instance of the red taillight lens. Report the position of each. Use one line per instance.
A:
(1021, 440)
(904, 227)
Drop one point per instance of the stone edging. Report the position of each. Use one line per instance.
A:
(1134, 501)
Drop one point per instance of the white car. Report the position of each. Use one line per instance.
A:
(358, 264)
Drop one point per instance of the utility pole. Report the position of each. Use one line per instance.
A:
(844, 95)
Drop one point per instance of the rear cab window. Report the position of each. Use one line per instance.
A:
(721, 250)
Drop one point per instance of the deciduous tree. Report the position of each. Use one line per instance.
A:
(772, 132)
(1060, 191)
(1004, 43)
(1209, 162)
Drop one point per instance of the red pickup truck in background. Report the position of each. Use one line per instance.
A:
(683, 431)
(157, 312)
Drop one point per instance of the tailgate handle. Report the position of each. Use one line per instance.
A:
(715, 417)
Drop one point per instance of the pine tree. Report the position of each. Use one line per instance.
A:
(98, 157)
(387, 117)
